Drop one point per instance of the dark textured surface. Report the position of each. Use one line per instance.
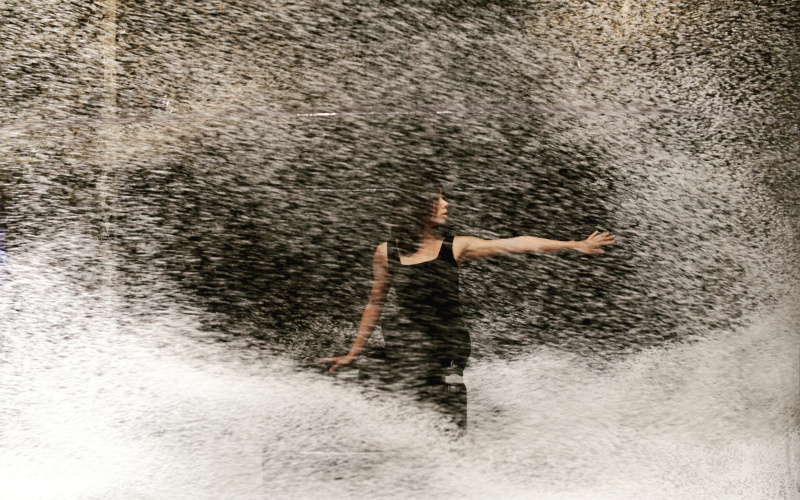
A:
(231, 162)
(674, 126)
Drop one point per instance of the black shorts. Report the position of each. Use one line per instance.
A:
(450, 399)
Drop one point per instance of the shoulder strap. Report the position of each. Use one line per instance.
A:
(392, 257)
(395, 251)
(447, 250)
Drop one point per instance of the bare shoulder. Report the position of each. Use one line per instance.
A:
(460, 246)
(381, 256)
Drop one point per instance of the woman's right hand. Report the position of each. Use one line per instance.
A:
(338, 361)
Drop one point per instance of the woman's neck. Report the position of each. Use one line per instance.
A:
(428, 234)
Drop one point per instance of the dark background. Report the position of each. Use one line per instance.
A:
(672, 125)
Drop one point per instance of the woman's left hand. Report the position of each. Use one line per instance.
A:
(593, 243)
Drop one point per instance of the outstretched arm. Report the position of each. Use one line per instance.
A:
(372, 313)
(471, 248)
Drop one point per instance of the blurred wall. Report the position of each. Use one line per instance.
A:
(199, 141)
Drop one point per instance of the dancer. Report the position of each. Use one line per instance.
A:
(427, 343)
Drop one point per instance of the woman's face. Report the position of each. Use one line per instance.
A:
(440, 211)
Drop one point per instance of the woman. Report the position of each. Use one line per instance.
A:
(427, 343)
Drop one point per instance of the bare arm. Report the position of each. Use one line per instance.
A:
(372, 313)
(471, 248)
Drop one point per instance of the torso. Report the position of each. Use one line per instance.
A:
(428, 325)
(426, 253)
(429, 251)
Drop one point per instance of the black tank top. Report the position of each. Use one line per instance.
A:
(428, 333)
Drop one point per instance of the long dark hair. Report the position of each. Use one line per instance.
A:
(414, 206)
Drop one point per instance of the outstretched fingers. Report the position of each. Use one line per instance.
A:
(607, 239)
(337, 362)
(329, 360)
(602, 237)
